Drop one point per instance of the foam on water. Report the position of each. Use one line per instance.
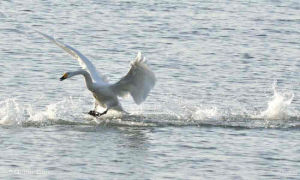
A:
(70, 111)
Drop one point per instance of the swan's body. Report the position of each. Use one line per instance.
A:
(138, 82)
(103, 94)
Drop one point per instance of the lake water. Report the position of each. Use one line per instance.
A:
(225, 105)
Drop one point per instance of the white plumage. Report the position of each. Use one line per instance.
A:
(138, 82)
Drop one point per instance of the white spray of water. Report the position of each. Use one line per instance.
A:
(278, 109)
(13, 112)
(205, 113)
(278, 106)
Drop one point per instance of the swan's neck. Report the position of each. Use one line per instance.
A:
(88, 79)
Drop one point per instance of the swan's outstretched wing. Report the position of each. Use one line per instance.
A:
(138, 81)
(83, 61)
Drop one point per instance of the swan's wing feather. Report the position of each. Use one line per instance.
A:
(138, 81)
(84, 62)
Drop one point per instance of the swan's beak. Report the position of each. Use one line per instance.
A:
(65, 76)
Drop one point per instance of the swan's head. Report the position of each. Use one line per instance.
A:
(65, 76)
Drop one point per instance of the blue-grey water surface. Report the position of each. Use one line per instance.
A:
(225, 105)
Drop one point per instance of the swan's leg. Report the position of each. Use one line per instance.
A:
(94, 112)
(113, 104)
(107, 108)
(100, 114)
(110, 105)
(97, 114)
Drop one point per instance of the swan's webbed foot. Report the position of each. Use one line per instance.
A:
(93, 113)
(97, 114)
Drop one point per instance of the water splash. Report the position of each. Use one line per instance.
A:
(202, 113)
(13, 112)
(178, 113)
(278, 106)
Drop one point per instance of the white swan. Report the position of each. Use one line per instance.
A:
(138, 82)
